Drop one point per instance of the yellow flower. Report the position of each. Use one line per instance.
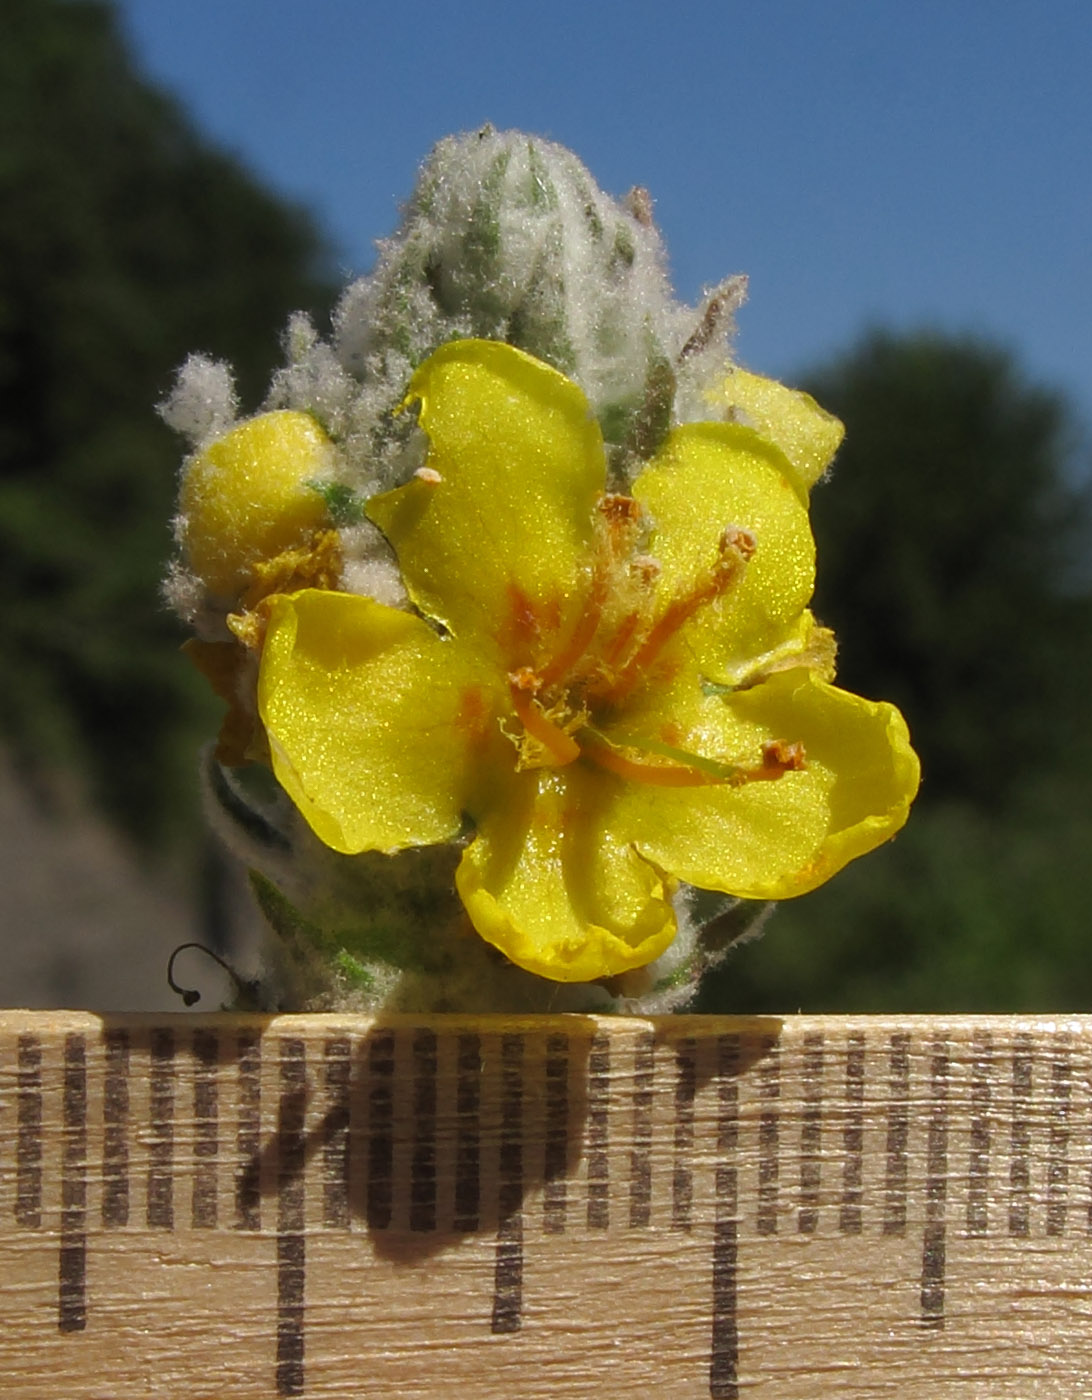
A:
(616, 692)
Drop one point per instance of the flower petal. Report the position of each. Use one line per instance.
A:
(774, 839)
(375, 724)
(708, 476)
(789, 418)
(493, 537)
(554, 888)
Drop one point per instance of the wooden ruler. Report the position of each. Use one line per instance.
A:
(545, 1208)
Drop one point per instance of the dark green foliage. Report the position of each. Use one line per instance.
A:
(125, 243)
(953, 542)
(949, 539)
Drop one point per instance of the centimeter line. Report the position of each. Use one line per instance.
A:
(356, 1080)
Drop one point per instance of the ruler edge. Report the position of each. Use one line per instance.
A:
(781, 1027)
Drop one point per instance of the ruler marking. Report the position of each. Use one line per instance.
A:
(555, 1189)
(206, 1129)
(508, 1275)
(598, 1129)
(682, 1179)
(769, 1089)
(160, 1205)
(1087, 1080)
(72, 1281)
(291, 1247)
(978, 1161)
(379, 1202)
(468, 1096)
(811, 1134)
(640, 1157)
(1020, 1140)
(936, 1192)
(924, 1083)
(115, 1140)
(1058, 1147)
(28, 1146)
(898, 1134)
(248, 1133)
(724, 1348)
(849, 1216)
(423, 1161)
(336, 1160)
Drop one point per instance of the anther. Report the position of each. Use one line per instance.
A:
(618, 507)
(622, 520)
(736, 539)
(525, 678)
(778, 758)
(645, 568)
(781, 757)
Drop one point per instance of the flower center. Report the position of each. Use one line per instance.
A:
(617, 646)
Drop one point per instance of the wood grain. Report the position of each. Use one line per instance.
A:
(548, 1208)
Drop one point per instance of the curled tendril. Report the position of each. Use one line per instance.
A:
(248, 989)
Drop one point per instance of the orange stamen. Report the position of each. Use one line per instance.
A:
(622, 638)
(638, 771)
(778, 758)
(536, 723)
(622, 516)
(583, 633)
(678, 611)
(737, 546)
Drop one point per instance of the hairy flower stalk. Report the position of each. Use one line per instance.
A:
(506, 591)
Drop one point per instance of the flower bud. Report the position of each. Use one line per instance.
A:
(250, 495)
(508, 237)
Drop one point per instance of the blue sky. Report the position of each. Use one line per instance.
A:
(898, 162)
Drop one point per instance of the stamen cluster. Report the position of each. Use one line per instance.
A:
(616, 646)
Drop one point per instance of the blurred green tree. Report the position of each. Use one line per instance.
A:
(126, 241)
(951, 539)
(953, 543)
